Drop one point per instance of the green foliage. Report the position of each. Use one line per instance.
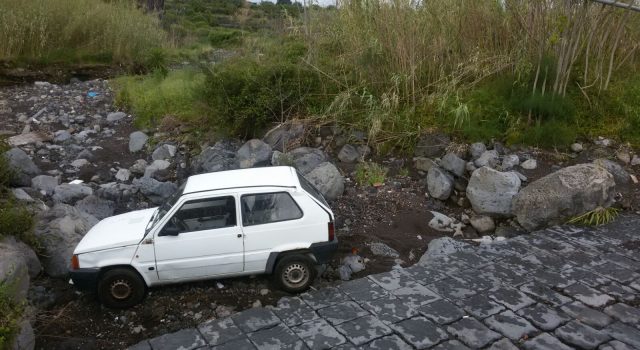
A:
(224, 37)
(596, 217)
(76, 30)
(370, 173)
(249, 93)
(155, 96)
(10, 314)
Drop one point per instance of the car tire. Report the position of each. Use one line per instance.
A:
(121, 288)
(294, 273)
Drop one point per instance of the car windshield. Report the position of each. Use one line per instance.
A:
(312, 190)
(164, 208)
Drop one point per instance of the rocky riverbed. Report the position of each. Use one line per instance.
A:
(80, 159)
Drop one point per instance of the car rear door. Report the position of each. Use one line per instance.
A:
(209, 242)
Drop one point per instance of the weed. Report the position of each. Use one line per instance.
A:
(370, 173)
(10, 314)
(596, 217)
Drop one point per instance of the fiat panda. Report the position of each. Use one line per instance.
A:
(217, 225)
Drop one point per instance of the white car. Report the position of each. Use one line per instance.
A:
(230, 223)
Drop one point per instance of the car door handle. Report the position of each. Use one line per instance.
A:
(239, 235)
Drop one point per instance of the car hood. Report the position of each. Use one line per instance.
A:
(116, 231)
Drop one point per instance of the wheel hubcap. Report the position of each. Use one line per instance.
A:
(121, 289)
(295, 274)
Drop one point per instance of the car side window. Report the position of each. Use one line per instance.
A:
(204, 214)
(265, 208)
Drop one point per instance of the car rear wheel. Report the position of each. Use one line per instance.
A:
(121, 288)
(295, 273)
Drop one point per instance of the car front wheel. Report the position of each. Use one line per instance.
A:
(295, 273)
(121, 288)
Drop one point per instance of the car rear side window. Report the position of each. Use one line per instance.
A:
(311, 189)
(265, 208)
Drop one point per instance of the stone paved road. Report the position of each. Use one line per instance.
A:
(560, 288)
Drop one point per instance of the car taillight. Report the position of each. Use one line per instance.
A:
(75, 264)
(332, 231)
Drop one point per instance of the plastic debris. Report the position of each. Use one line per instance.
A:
(351, 264)
(92, 94)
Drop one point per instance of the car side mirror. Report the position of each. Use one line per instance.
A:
(169, 231)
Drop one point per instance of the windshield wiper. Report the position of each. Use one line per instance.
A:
(153, 217)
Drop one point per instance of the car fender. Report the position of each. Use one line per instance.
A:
(110, 258)
(279, 251)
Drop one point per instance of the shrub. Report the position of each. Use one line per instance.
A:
(10, 314)
(370, 173)
(223, 37)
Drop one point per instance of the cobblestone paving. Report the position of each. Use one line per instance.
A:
(560, 288)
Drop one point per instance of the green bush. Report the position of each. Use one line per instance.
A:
(224, 37)
(370, 173)
(10, 314)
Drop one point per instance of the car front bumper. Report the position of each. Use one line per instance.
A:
(85, 279)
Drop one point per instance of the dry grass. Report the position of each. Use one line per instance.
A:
(45, 30)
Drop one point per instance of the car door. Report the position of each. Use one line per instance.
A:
(270, 221)
(201, 239)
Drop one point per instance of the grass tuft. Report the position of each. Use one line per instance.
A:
(596, 217)
(370, 173)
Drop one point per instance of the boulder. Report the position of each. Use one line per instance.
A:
(432, 145)
(155, 190)
(96, 206)
(577, 147)
(45, 184)
(635, 160)
(477, 149)
(9, 243)
(61, 136)
(620, 176)
(285, 136)
(487, 158)
(327, 180)
(79, 163)
(563, 194)
(123, 174)
(483, 224)
(23, 166)
(21, 195)
(71, 193)
(305, 159)
(137, 140)
(117, 192)
(155, 167)
(138, 167)
(529, 164)
(115, 116)
(14, 272)
(221, 156)
(163, 152)
(509, 161)
(60, 229)
(25, 339)
(491, 192)
(439, 183)
(254, 153)
(423, 164)
(453, 163)
(348, 154)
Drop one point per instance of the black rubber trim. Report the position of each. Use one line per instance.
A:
(271, 262)
(324, 250)
(85, 279)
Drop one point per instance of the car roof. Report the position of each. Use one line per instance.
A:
(279, 176)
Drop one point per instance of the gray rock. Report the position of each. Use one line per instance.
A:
(219, 157)
(305, 159)
(423, 164)
(13, 271)
(61, 136)
(71, 193)
(439, 183)
(45, 184)
(529, 164)
(327, 180)
(137, 140)
(95, 206)
(620, 176)
(123, 174)
(477, 149)
(453, 163)
(156, 166)
(79, 163)
(491, 192)
(432, 145)
(25, 339)
(381, 249)
(163, 152)
(577, 147)
(21, 195)
(564, 194)
(348, 154)
(487, 158)
(624, 157)
(115, 116)
(285, 136)
(155, 190)
(138, 167)
(483, 224)
(254, 153)
(635, 161)
(29, 257)
(185, 339)
(62, 228)
(509, 161)
(24, 167)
